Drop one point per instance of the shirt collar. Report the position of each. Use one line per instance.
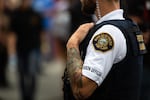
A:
(116, 14)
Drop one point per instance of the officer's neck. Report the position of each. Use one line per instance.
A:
(106, 7)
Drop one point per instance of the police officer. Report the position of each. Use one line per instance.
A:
(109, 67)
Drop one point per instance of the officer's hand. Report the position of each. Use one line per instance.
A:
(79, 35)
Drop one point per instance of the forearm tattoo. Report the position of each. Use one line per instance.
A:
(74, 66)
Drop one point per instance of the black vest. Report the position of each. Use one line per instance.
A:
(124, 80)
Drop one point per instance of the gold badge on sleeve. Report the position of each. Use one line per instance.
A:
(103, 42)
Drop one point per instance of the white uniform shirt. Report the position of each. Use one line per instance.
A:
(97, 64)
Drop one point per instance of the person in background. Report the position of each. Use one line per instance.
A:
(60, 29)
(145, 91)
(145, 27)
(4, 27)
(26, 24)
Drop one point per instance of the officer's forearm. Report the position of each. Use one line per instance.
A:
(75, 63)
(74, 67)
(82, 87)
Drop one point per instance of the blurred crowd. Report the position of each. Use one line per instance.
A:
(33, 31)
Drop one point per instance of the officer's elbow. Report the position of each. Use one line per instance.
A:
(81, 94)
(86, 90)
(85, 94)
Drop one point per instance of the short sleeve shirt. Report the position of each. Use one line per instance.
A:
(98, 62)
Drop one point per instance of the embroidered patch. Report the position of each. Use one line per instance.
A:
(103, 42)
(141, 42)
